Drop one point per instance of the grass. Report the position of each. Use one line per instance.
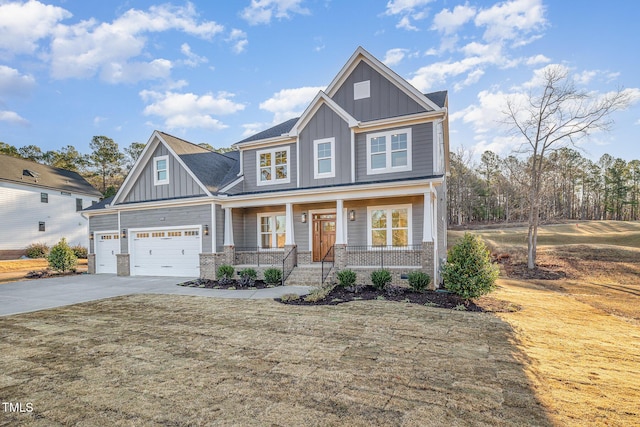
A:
(570, 356)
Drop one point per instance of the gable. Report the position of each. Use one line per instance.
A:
(384, 99)
(180, 183)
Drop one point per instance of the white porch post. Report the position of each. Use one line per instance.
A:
(289, 237)
(427, 227)
(228, 227)
(339, 222)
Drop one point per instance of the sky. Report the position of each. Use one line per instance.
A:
(218, 71)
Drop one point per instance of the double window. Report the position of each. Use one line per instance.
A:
(161, 170)
(389, 151)
(271, 230)
(389, 225)
(324, 159)
(273, 166)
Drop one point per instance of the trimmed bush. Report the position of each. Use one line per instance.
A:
(418, 281)
(225, 274)
(61, 258)
(37, 250)
(247, 277)
(80, 251)
(273, 276)
(381, 279)
(346, 278)
(469, 271)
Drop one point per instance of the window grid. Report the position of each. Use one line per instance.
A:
(389, 151)
(273, 166)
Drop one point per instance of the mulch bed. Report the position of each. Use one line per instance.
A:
(440, 299)
(214, 284)
(43, 274)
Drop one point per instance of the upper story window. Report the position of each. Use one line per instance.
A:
(41, 226)
(44, 197)
(273, 166)
(161, 170)
(324, 158)
(389, 151)
(78, 205)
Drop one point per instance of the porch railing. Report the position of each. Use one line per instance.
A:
(258, 256)
(384, 256)
(288, 264)
(329, 260)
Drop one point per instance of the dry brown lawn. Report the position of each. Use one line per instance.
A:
(12, 270)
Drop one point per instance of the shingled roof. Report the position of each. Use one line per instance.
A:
(26, 172)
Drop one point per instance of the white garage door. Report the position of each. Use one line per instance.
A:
(107, 245)
(166, 253)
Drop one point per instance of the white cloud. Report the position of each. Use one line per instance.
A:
(253, 128)
(238, 39)
(263, 11)
(98, 119)
(22, 25)
(13, 83)
(537, 59)
(409, 10)
(438, 73)
(89, 48)
(512, 20)
(193, 60)
(289, 103)
(188, 110)
(12, 117)
(394, 56)
(449, 21)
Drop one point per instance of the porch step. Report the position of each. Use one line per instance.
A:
(307, 275)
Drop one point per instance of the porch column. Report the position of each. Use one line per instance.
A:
(339, 222)
(427, 227)
(228, 227)
(289, 239)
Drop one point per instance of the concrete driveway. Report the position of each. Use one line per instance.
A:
(33, 295)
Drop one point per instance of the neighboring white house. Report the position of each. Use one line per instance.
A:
(41, 204)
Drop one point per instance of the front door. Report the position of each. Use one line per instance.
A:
(324, 235)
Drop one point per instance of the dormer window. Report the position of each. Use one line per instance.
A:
(161, 170)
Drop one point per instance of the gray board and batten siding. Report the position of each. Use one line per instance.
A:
(325, 124)
(181, 184)
(386, 99)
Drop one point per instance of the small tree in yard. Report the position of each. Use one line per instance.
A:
(469, 271)
(62, 258)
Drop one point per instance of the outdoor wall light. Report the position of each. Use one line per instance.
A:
(304, 217)
(352, 215)
(124, 233)
(91, 236)
(206, 230)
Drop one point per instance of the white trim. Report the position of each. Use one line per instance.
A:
(353, 156)
(389, 208)
(362, 90)
(273, 232)
(388, 152)
(228, 227)
(273, 152)
(276, 140)
(212, 230)
(310, 214)
(298, 161)
(231, 184)
(332, 172)
(157, 159)
(340, 240)
(289, 237)
(241, 171)
(309, 112)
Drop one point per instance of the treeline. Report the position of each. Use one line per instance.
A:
(497, 188)
(105, 167)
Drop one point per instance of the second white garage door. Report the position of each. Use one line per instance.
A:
(107, 245)
(166, 252)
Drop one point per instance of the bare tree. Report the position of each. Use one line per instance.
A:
(554, 115)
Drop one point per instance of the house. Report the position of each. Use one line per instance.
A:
(41, 204)
(357, 181)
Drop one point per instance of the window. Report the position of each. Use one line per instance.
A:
(41, 226)
(271, 231)
(389, 225)
(324, 160)
(161, 170)
(273, 166)
(78, 205)
(362, 90)
(44, 197)
(389, 152)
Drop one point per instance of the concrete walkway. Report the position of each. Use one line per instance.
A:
(34, 295)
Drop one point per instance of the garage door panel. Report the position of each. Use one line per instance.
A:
(166, 253)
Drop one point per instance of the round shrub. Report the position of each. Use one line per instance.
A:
(418, 281)
(273, 276)
(80, 251)
(37, 250)
(469, 271)
(346, 278)
(381, 279)
(225, 271)
(247, 277)
(61, 258)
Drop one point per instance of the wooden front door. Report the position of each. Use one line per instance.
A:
(324, 235)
